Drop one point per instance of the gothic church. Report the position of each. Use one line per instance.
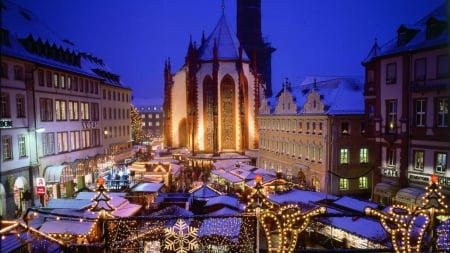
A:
(211, 103)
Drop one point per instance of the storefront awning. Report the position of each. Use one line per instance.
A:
(384, 190)
(58, 174)
(409, 196)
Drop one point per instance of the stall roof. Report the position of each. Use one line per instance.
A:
(77, 204)
(147, 187)
(66, 227)
(127, 210)
(300, 196)
(223, 200)
(354, 204)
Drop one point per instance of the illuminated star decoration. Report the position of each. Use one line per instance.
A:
(281, 224)
(407, 228)
(181, 238)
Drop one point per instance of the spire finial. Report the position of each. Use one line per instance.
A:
(223, 7)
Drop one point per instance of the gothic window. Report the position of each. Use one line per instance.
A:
(227, 92)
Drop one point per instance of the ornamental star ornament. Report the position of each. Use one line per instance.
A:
(181, 237)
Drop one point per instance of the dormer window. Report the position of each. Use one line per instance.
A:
(435, 26)
(405, 34)
(4, 37)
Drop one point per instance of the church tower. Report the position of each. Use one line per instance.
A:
(250, 35)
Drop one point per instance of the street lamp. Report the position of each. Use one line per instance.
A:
(34, 161)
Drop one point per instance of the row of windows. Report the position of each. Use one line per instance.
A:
(297, 126)
(116, 131)
(440, 161)
(7, 146)
(150, 115)
(72, 110)
(308, 151)
(61, 110)
(292, 125)
(150, 108)
(441, 117)
(119, 96)
(150, 124)
(344, 156)
(116, 113)
(419, 73)
(57, 80)
(344, 183)
(52, 143)
(5, 106)
(18, 72)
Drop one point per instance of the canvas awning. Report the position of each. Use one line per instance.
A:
(409, 196)
(58, 174)
(384, 190)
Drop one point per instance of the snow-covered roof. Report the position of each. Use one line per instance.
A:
(226, 42)
(147, 187)
(339, 95)
(419, 38)
(223, 200)
(358, 226)
(300, 196)
(66, 227)
(77, 204)
(354, 204)
(204, 192)
(24, 27)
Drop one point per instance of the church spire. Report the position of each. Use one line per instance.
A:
(223, 7)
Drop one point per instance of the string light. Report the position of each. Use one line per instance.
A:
(407, 228)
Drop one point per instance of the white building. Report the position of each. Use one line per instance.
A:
(52, 99)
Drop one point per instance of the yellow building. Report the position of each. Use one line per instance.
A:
(313, 133)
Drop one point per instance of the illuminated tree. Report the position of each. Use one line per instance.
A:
(136, 126)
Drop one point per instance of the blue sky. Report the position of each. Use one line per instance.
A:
(134, 38)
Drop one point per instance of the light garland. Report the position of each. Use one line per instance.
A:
(281, 224)
(407, 228)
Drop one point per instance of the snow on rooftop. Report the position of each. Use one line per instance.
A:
(22, 25)
(223, 200)
(225, 40)
(354, 204)
(300, 196)
(66, 227)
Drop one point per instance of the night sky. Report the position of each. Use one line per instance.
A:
(134, 38)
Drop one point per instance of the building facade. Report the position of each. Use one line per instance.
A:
(406, 97)
(151, 111)
(313, 133)
(52, 129)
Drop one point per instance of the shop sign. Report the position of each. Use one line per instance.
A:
(40, 190)
(40, 181)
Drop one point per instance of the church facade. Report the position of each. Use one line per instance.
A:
(211, 102)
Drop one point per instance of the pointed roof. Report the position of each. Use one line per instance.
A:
(204, 192)
(374, 52)
(418, 40)
(226, 41)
